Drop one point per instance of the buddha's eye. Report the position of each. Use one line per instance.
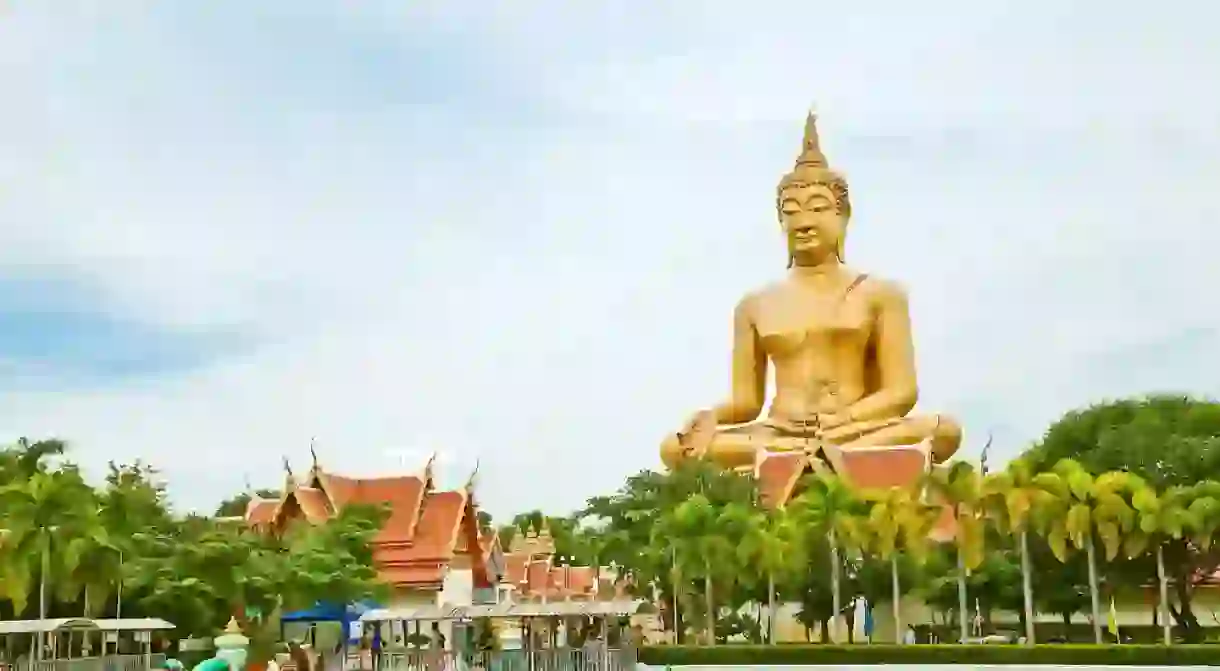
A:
(818, 205)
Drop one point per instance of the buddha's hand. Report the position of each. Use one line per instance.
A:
(701, 420)
(833, 420)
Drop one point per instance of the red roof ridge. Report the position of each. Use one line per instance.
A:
(373, 478)
(452, 537)
(423, 534)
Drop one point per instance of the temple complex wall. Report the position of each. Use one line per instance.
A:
(411, 597)
(458, 588)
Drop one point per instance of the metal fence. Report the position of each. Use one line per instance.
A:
(106, 663)
(615, 659)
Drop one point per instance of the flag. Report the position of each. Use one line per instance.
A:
(1112, 624)
(868, 619)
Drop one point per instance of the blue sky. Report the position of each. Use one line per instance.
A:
(514, 232)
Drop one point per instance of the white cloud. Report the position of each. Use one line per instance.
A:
(545, 285)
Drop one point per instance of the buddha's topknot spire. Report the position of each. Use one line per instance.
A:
(813, 168)
(811, 148)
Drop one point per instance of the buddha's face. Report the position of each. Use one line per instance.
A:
(813, 223)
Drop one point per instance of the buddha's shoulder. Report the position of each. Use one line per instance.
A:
(882, 288)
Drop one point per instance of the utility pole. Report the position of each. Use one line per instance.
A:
(118, 606)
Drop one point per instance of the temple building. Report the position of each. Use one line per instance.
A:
(866, 468)
(533, 573)
(430, 550)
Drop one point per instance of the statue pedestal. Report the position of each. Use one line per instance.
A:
(779, 473)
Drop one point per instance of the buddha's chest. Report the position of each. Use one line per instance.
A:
(792, 321)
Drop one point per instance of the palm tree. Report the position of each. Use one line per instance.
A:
(961, 487)
(898, 521)
(50, 520)
(828, 505)
(694, 529)
(1081, 506)
(1157, 519)
(771, 544)
(1012, 496)
(26, 458)
(1201, 519)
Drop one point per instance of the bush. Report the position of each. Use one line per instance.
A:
(1116, 655)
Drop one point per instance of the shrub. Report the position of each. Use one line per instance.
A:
(1112, 655)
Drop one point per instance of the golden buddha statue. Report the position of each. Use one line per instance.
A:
(840, 342)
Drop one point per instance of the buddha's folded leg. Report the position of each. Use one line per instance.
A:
(733, 447)
(942, 432)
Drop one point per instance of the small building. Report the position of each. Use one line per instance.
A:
(430, 549)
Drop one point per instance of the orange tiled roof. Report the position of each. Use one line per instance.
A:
(515, 566)
(945, 529)
(864, 468)
(579, 579)
(313, 504)
(261, 512)
(778, 475)
(488, 541)
(418, 540)
(885, 468)
(413, 575)
(404, 494)
(435, 535)
(538, 575)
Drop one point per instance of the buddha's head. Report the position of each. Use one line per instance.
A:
(813, 205)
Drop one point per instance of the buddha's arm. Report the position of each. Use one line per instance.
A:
(897, 390)
(749, 370)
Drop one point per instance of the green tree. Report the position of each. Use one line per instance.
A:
(829, 507)
(207, 572)
(1011, 497)
(630, 516)
(49, 521)
(132, 501)
(236, 506)
(960, 486)
(1168, 441)
(25, 458)
(814, 587)
(1158, 519)
(1080, 507)
(898, 523)
(694, 530)
(771, 545)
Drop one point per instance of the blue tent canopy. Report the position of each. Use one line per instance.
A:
(329, 612)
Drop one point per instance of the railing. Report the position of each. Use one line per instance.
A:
(510, 660)
(107, 663)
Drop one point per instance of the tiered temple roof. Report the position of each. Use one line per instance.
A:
(531, 570)
(865, 468)
(426, 533)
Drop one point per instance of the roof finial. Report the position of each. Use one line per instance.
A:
(470, 482)
(313, 452)
(983, 457)
(290, 481)
(429, 472)
(811, 145)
